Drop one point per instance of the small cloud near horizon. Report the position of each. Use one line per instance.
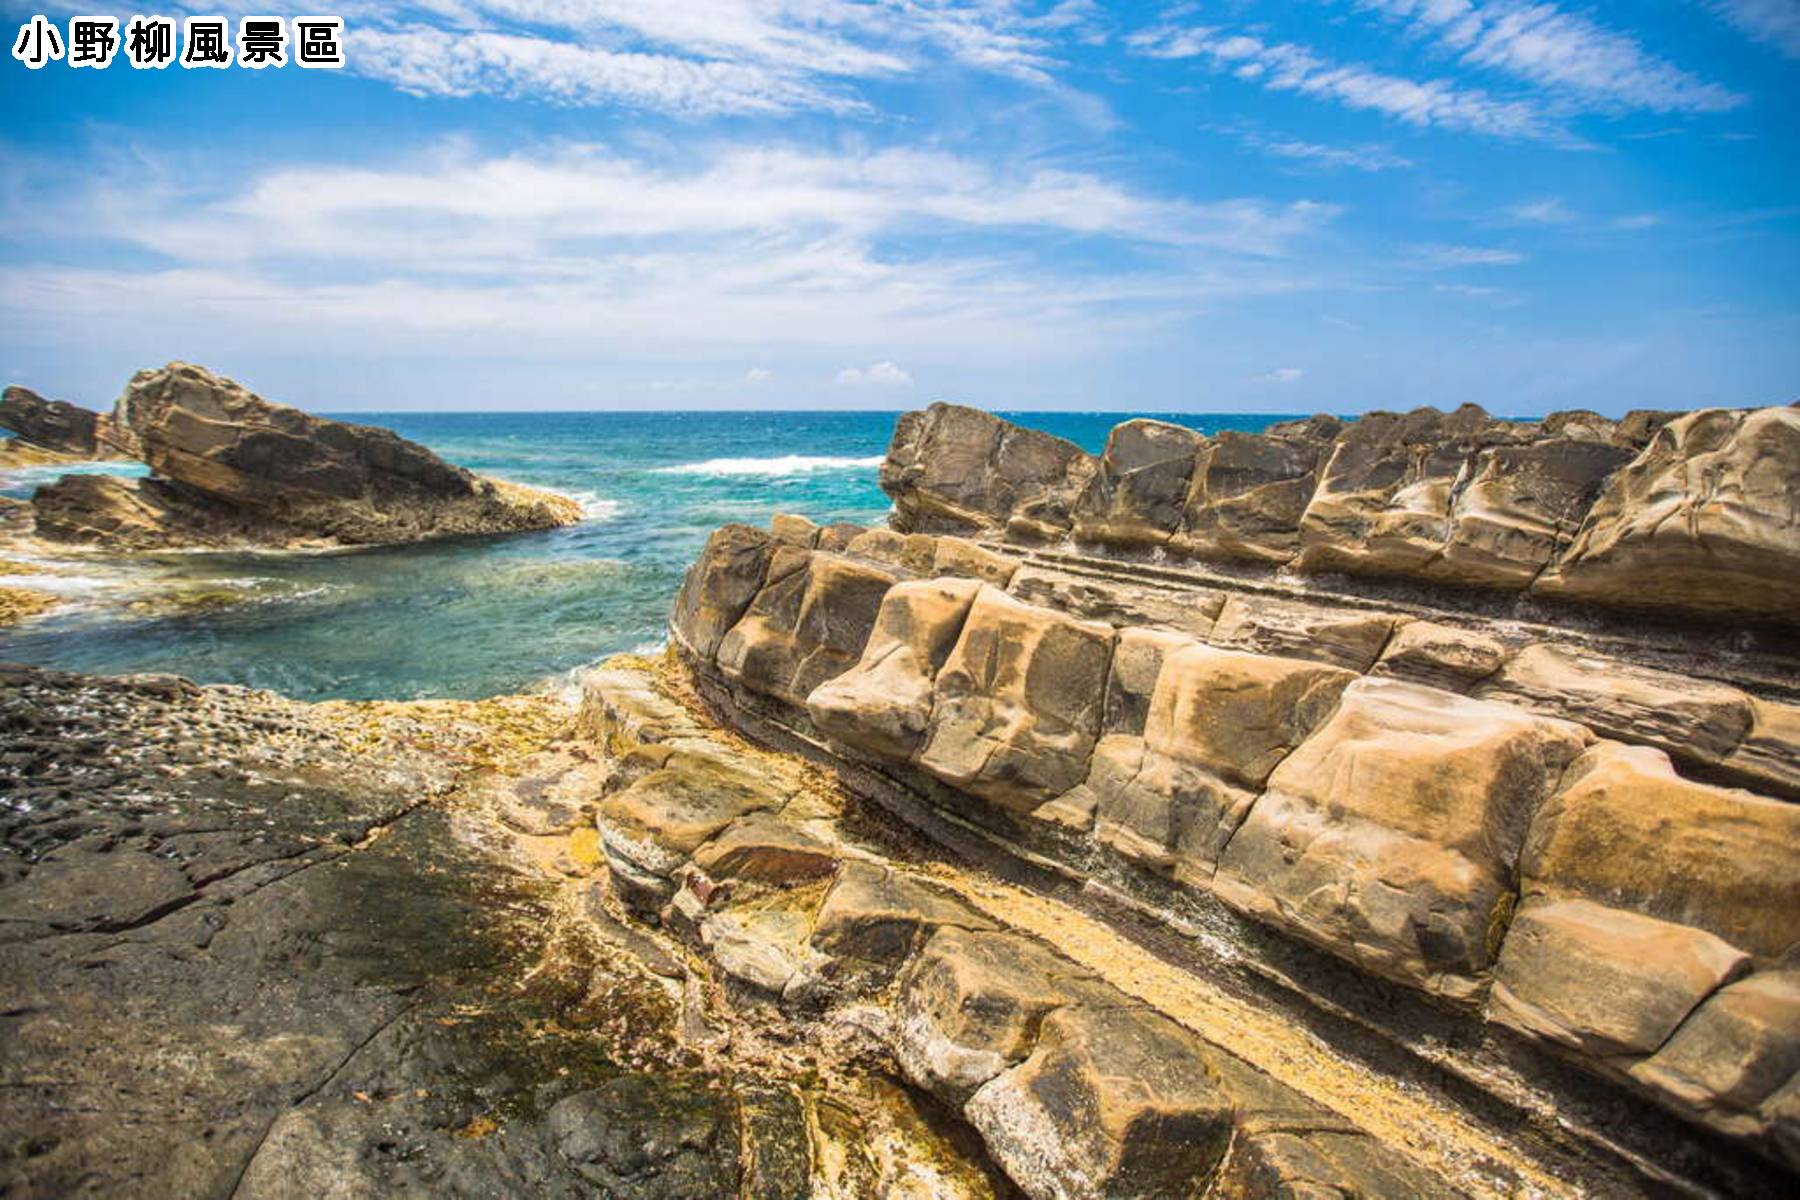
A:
(1281, 375)
(881, 374)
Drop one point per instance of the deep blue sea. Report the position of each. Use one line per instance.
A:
(474, 618)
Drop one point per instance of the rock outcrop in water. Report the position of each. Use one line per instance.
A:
(1510, 840)
(231, 469)
(64, 428)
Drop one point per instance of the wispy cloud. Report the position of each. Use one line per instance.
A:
(1363, 156)
(881, 374)
(1294, 68)
(1546, 45)
(1280, 375)
(1438, 257)
(1548, 211)
(1776, 22)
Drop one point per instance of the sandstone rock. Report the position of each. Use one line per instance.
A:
(620, 710)
(1190, 611)
(58, 426)
(884, 703)
(656, 823)
(1320, 1164)
(952, 468)
(641, 1136)
(1735, 1051)
(1111, 1102)
(1018, 702)
(720, 585)
(837, 536)
(961, 557)
(1348, 638)
(1519, 508)
(1250, 490)
(315, 479)
(1702, 522)
(1137, 495)
(1628, 832)
(765, 949)
(1690, 717)
(970, 1004)
(766, 849)
(1391, 835)
(1219, 723)
(794, 530)
(1383, 502)
(808, 624)
(1768, 759)
(135, 514)
(1441, 656)
(1604, 980)
(1137, 664)
(879, 915)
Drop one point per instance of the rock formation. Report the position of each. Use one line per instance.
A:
(1681, 516)
(231, 469)
(64, 428)
(1570, 842)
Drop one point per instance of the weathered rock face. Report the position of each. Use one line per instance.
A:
(952, 468)
(1703, 520)
(64, 428)
(1523, 821)
(1658, 513)
(231, 469)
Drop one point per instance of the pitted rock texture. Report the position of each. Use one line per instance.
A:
(1492, 814)
(1690, 514)
(64, 428)
(233, 469)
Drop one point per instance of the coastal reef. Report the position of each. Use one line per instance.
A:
(1017, 848)
(229, 470)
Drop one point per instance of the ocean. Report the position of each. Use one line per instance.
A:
(472, 618)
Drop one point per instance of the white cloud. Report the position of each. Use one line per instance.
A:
(1294, 68)
(1440, 257)
(1545, 45)
(1548, 211)
(583, 251)
(1365, 157)
(1281, 375)
(758, 375)
(1499, 297)
(881, 374)
(1776, 22)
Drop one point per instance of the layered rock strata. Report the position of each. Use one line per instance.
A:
(1581, 841)
(64, 428)
(231, 469)
(1673, 513)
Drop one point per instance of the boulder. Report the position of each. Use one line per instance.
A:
(1768, 759)
(954, 469)
(808, 624)
(1383, 502)
(63, 428)
(1348, 638)
(1018, 702)
(1113, 1102)
(880, 915)
(1248, 492)
(1733, 1054)
(1138, 492)
(1604, 980)
(298, 478)
(1628, 832)
(963, 558)
(883, 704)
(720, 585)
(1442, 656)
(1392, 834)
(1702, 522)
(1692, 718)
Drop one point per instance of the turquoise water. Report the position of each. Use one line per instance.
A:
(475, 618)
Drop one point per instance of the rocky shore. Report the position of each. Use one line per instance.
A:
(229, 470)
(1400, 807)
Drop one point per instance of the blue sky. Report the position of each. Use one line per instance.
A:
(1317, 205)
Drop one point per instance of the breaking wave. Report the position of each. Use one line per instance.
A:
(786, 464)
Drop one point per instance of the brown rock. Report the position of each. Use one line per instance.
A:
(1112, 1102)
(1703, 521)
(1347, 638)
(884, 703)
(1250, 490)
(1604, 980)
(1018, 702)
(1440, 656)
(808, 624)
(963, 558)
(766, 849)
(951, 468)
(1137, 495)
(1692, 718)
(1390, 836)
(720, 585)
(1734, 1052)
(879, 915)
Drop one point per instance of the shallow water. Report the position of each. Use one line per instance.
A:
(477, 617)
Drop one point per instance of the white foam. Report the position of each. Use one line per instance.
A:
(594, 506)
(787, 464)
